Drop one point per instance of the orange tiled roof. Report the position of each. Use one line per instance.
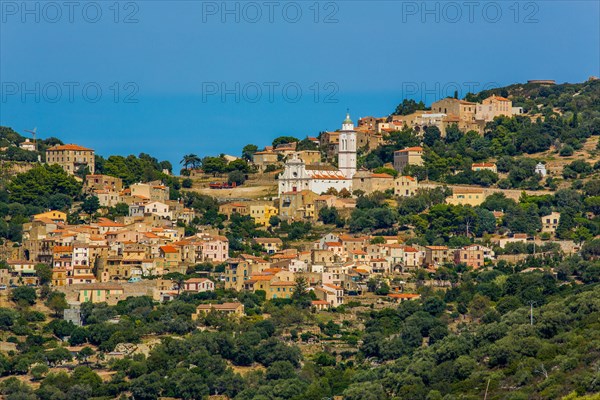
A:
(62, 249)
(500, 98)
(329, 285)
(169, 249)
(404, 295)
(406, 150)
(69, 147)
(385, 176)
(283, 283)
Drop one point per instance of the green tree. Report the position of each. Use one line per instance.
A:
(284, 140)
(408, 106)
(190, 160)
(36, 186)
(57, 303)
(90, 205)
(248, 151)
(24, 295)
(57, 356)
(237, 177)
(186, 183)
(214, 165)
(84, 354)
(44, 272)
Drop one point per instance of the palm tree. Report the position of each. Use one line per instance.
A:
(190, 160)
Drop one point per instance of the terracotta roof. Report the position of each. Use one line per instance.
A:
(467, 190)
(283, 283)
(404, 295)
(271, 270)
(406, 150)
(385, 176)
(263, 278)
(169, 249)
(268, 240)
(62, 249)
(69, 147)
(410, 178)
(329, 285)
(224, 306)
(499, 98)
(197, 280)
(437, 247)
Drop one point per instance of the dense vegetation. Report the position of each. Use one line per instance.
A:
(474, 338)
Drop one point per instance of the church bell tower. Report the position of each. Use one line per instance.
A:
(347, 148)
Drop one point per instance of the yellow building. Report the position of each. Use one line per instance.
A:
(53, 215)
(233, 309)
(310, 156)
(278, 285)
(297, 205)
(270, 245)
(370, 182)
(550, 222)
(408, 156)
(262, 213)
(100, 292)
(71, 157)
(169, 257)
(494, 106)
(405, 186)
(484, 167)
(234, 208)
(466, 197)
(59, 276)
(463, 110)
(262, 159)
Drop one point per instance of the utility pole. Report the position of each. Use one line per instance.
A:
(531, 303)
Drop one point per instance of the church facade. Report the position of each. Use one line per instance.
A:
(297, 176)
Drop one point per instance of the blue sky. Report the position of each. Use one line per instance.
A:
(209, 77)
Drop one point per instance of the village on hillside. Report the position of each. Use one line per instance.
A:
(467, 233)
(109, 259)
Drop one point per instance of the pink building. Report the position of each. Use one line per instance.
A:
(213, 248)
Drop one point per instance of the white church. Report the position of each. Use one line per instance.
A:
(297, 176)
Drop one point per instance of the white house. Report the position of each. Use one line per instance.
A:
(198, 285)
(155, 207)
(541, 169)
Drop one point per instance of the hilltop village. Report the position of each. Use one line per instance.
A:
(498, 192)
